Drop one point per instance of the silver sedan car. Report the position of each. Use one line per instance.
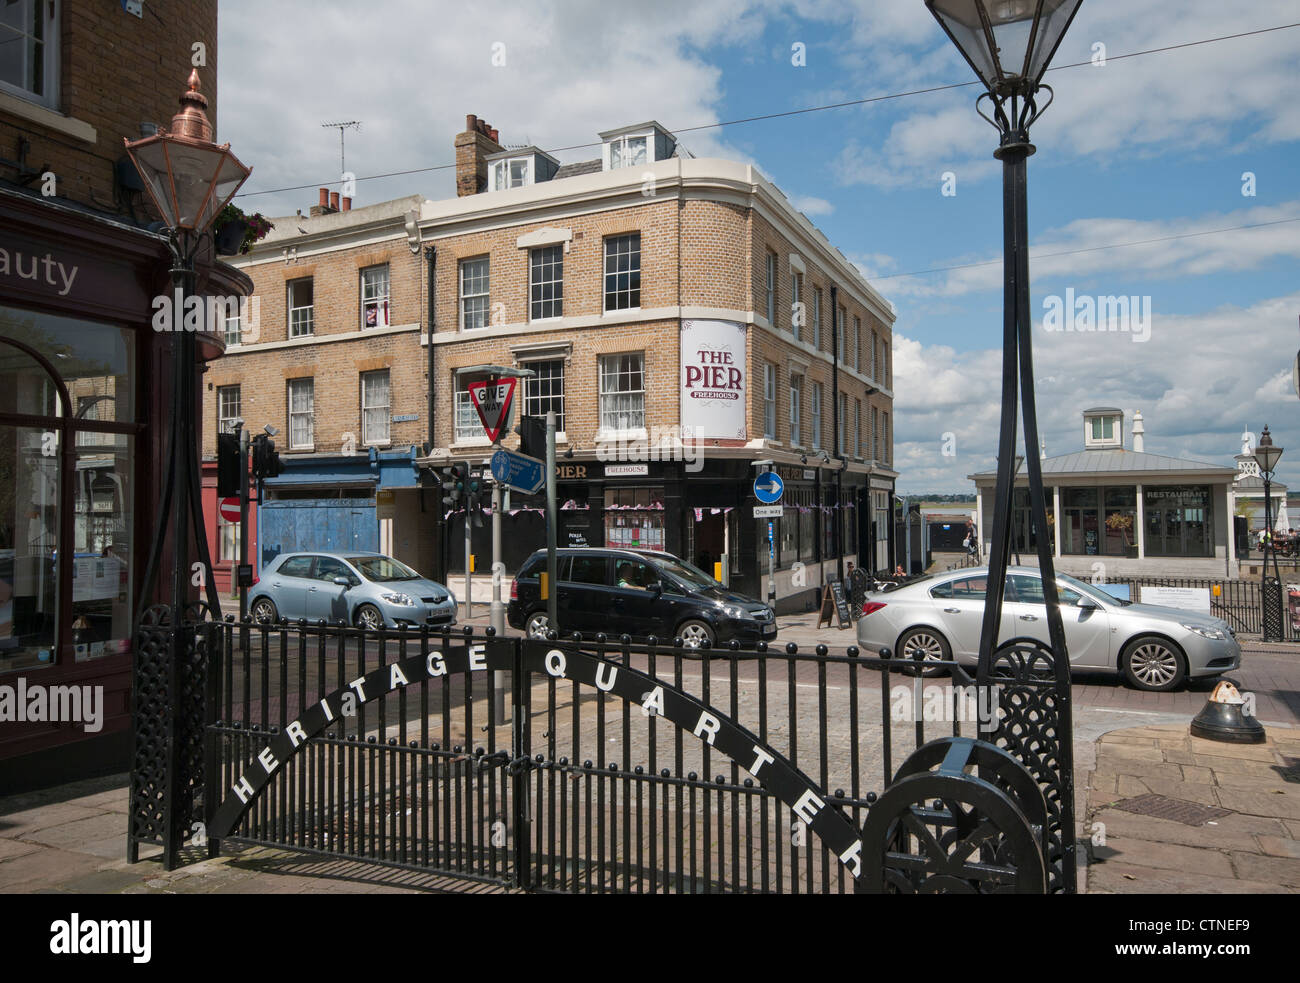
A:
(938, 618)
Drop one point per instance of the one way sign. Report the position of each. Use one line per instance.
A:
(492, 401)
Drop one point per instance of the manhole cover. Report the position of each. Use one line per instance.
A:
(1179, 810)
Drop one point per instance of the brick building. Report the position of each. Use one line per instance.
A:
(679, 316)
(84, 381)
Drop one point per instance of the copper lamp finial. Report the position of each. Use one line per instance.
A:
(192, 120)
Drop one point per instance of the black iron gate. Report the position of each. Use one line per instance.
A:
(618, 767)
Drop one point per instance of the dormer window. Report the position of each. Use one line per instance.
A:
(628, 151)
(637, 146)
(511, 174)
(1103, 428)
(520, 168)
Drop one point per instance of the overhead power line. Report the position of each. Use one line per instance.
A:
(807, 109)
(1087, 249)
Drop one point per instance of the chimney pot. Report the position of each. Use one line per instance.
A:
(347, 204)
(493, 134)
(471, 122)
(324, 197)
(334, 201)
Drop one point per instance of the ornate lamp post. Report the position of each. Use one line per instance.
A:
(1009, 44)
(1267, 456)
(190, 179)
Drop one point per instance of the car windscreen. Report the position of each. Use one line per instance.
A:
(382, 569)
(693, 577)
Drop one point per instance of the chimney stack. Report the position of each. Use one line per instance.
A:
(472, 149)
(329, 203)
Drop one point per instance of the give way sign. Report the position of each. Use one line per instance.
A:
(492, 401)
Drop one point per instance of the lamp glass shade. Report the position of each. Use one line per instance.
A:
(1009, 43)
(190, 181)
(1266, 455)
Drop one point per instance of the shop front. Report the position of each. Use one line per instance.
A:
(83, 420)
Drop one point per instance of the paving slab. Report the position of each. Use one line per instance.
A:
(17, 825)
(1128, 878)
(1264, 867)
(1279, 846)
(1166, 856)
(1232, 832)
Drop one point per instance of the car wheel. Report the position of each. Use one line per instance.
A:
(1153, 664)
(264, 611)
(696, 635)
(924, 645)
(368, 617)
(537, 625)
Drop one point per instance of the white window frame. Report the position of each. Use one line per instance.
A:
(817, 318)
(769, 401)
(485, 295)
(301, 325)
(534, 402)
(381, 302)
(884, 425)
(558, 299)
(857, 429)
(816, 415)
(224, 418)
(233, 328)
(796, 400)
(857, 343)
(841, 442)
(50, 56)
(369, 439)
(608, 416)
(606, 274)
(796, 294)
(307, 384)
(467, 428)
(875, 433)
(621, 142)
(771, 288)
(501, 173)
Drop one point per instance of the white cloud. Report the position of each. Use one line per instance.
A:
(1198, 381)
(811, 205)
(1076, 251)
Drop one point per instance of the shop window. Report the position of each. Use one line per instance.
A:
(1178, 520)
(634, 518)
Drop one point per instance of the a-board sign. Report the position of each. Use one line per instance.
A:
(834, 605)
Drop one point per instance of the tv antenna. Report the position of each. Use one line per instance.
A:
(352, 124)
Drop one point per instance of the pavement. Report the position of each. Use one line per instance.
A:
(72, 838)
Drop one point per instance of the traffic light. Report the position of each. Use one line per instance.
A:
(532, 436)
(229, 461)
(266, 460)
(454, 478)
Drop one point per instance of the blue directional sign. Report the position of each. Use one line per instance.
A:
(518, 471)
(768, 487)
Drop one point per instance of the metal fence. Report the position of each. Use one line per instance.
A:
(1238, 602)
(606, 766)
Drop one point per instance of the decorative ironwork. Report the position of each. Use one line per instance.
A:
(1271, 608)
(169, 684)
(1031, 699)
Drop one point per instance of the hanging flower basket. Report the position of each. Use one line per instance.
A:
(235, 232)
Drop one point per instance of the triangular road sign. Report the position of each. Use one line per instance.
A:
(492, 401)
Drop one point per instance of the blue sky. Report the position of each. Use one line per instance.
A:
(1135, 149)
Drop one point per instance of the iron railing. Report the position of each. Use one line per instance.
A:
(633, 768)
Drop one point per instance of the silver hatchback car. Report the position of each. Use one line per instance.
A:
(369, 590)
(938, 618)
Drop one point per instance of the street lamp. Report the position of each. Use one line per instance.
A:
(1267, 455)
(1009, 44)
(190, 179)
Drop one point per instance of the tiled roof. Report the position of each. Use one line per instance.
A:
(582, 167)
